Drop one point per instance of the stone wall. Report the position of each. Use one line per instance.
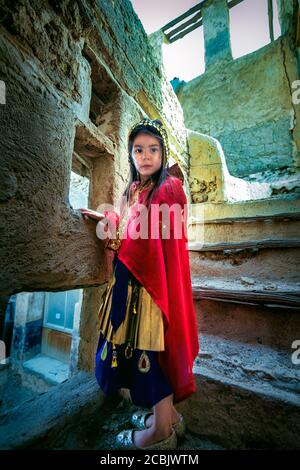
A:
(246, 103)
(78, 75)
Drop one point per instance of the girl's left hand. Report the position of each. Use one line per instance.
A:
(89, 213)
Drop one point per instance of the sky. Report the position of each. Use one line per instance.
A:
(185, 57)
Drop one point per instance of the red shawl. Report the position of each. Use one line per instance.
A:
(162, 266)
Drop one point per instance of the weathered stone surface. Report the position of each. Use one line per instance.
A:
(216, 32)
(37, 217)
(243, 231)
(248, 107)
(247, 383)
(223, 269)
(44, 417)
(241, 417)
(209, 178)
(71, 71)
(74, 415)
(78, 75)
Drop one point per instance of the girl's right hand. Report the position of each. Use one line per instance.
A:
(91, 214)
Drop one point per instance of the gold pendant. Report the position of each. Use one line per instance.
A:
(114, 362)
(144, 363)
(113, 244)
(128, 351)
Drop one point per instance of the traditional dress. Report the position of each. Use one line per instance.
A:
(148, 335)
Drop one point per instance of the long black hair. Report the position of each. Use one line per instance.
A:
(160, 175)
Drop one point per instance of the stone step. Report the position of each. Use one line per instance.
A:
(281, 181)
(47, 368)
(248, 395)
(262, 325)
(47, 420)
(260, 367)
(266, 223)
(263, 185)
(74, 415)
(247, 290)
(245, 232)
(267, 276)
(120, 420)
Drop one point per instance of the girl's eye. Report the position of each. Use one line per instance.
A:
(152, 150)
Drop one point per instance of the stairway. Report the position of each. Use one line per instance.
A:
(246, 289)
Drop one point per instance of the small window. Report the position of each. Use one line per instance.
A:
(249, 26)
(185, 57)
(79, 190)
(60, 309)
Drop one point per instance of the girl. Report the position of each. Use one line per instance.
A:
(148, 335)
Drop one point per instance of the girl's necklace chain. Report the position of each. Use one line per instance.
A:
(137, 189)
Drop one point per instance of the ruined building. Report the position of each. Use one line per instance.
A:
(75, 76)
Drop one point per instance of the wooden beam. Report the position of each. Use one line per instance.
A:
(283, 217)
(288, 298)
(185, 32)
(172, 35)
(298, 26)
(86, 162)
(270, 15)
(249, 244)
(234, 3)
(184, 25)
(181, 17)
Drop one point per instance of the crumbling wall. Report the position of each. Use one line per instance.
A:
(247, 105)
(77, 74)
(53, 58)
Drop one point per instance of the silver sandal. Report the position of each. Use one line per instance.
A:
(124, 440)
(138, 419)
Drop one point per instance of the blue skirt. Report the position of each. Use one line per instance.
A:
(140, 373)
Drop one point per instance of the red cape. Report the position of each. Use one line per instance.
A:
(162, 267)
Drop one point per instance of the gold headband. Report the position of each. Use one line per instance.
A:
(162, 131)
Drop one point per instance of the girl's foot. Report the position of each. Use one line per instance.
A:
(150, 436)
(175, 419)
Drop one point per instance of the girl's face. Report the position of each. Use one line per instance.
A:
(146, 154)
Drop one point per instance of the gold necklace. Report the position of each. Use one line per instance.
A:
(138, 188)
(114, 244)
